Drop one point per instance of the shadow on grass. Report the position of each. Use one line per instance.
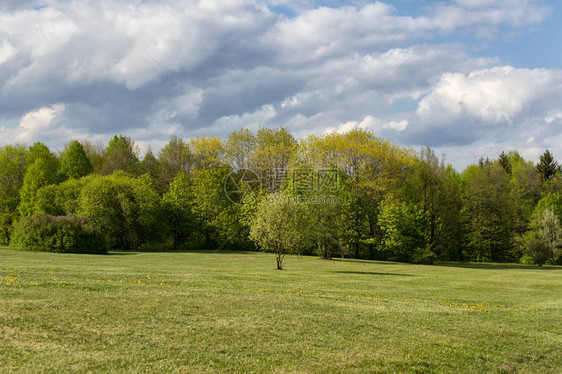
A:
(496, 266)
(202, 251)
(371, 273)
(372, 262)
(121, 253)
(467, 265)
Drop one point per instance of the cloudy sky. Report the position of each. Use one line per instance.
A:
(468, 77)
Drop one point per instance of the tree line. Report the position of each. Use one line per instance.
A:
(340, 194)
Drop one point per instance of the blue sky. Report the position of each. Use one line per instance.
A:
(481, 76)
(535, 46)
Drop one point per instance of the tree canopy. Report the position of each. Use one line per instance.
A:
(338, 194)
(75, 163)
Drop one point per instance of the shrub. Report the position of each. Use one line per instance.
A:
(60, 234)
(126, 210)
(535, 248)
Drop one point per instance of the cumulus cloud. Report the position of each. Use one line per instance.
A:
(39, 124)
(492, 96)
(371, 123)
(156, 68)
(490, 110)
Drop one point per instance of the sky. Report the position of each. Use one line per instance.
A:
(469, 78)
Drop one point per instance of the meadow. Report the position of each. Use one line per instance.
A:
(232, 312)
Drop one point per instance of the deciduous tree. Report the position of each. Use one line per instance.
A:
(41, 173)
(277, 227)
(126, 210)
(240, 148)
(12, 173)
(121, 154)
(174, 157)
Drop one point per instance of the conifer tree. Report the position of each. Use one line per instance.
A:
(75, 163)
(504, 162)
(547, 166)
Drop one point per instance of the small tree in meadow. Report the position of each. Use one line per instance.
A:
(278, 227)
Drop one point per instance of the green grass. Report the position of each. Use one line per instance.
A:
(233, 312)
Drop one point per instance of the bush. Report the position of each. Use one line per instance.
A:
(126, 210)
(535, 248)
(60, 234)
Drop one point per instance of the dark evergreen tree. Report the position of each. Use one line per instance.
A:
(547, 166)
(482, 162)
(504, 162)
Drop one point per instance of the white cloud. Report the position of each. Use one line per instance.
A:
(491, 96)
(7, 51)
(377, 125)
(34, 125)
(86, 65)
(322, 32)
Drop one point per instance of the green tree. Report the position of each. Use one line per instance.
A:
(542, 243)
(503, 159)
(41, 151)
(121, 154)
(525, 191)
(544, 227)
(536, 248)
(126, 210)
(329, 208)
(95, 153)
(152, 167)
(240, 148)
(404, 227)
(75, 163)
(488, 213)
(178, 202)
(62, 199)
(547, 166)
(551, 232)
(216, 215)
(207, 152)
(12, 173)
(274, 150)
(277, 227)
(46, 201)
(174, 157)
(41, 173)
(435, 188)
(374, 167)
(551, 201)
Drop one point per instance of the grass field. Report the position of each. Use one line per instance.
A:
(233, 312)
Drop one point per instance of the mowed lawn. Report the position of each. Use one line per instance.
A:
(233, 312)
